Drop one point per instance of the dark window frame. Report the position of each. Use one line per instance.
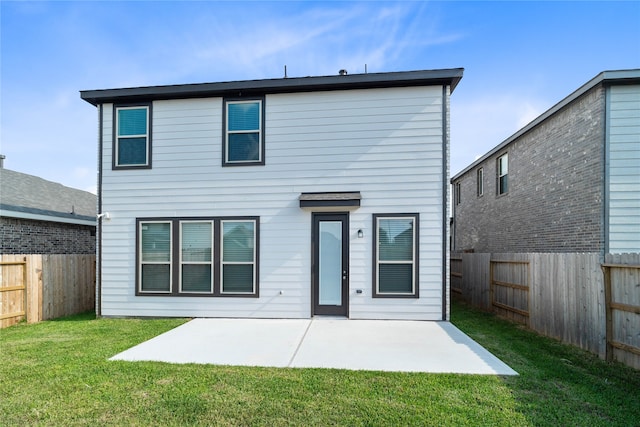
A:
(502, 181)
(140, 262)
(115, 137)
(480, 182)
(416, 251)
(181, 262)
(457, 190)
(225, 133)
(221, 257)
(175, 263)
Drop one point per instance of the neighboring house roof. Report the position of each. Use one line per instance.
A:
(605, 77)
(29, 197)
(284, 85)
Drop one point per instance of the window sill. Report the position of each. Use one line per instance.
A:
(405, 296)
(233, 164)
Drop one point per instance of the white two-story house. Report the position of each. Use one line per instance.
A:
(278, 198)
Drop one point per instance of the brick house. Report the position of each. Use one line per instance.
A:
(569, 181)
(42, 217)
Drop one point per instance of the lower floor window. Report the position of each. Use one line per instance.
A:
(201, 256)
(155, 256)
(238, 256)
(395, 255)
(196, 256)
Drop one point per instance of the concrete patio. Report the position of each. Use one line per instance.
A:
(377, 345)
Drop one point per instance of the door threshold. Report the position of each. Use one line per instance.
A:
(329, 317)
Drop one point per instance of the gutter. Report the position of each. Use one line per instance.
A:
(49, 217)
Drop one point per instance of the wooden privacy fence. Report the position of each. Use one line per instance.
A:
(13, 297)
(509, 289)
(622, 290)
(561, 295)
(455, 274)
(41, 287)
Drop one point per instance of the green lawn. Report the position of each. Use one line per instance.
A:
(57, 373)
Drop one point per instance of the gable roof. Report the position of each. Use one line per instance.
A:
(615, 77)
(30, 197)
(449, 77)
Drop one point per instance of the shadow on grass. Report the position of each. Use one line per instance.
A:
(558, 384)
(80, 317)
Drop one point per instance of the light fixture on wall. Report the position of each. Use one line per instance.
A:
(360, 234)
(104, 215)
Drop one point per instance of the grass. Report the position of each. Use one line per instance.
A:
(57, 373)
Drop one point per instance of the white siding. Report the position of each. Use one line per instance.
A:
(624, 169)
(385, 143)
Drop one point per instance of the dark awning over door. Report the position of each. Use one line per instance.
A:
(330, 201)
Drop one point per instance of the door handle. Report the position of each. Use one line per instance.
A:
(344, 275)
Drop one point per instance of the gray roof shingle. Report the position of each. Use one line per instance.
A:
(20, 192)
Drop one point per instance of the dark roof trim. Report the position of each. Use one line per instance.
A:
(449, 77)
(607, 78)
(42, 213)
(330, 199)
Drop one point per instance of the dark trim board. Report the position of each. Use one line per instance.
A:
(99, 222)
(451, 76)
(606, 172)
(445, 200)
(328, 203)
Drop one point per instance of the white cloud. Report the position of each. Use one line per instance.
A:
(479, 124)
(527, 112)
(91, 189)
(83, 173)
(316, 41)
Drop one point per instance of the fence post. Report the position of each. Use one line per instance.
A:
(608, 313)
(491, 286)
(26, 287)
(530, 266)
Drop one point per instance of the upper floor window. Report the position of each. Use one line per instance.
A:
(243, 133)
(132, 136)
(479, 182)
(457, 193)
(503, 174)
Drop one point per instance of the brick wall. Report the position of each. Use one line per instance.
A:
(556, 181)
(23, 236)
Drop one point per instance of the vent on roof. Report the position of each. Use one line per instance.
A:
(343, 72)
(2, 157)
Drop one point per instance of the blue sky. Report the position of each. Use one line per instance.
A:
(520, 58)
